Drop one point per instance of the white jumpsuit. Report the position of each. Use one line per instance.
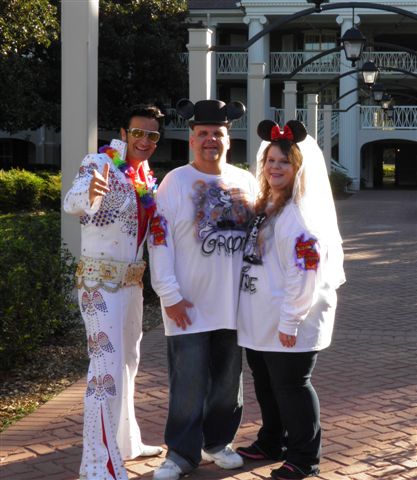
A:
(113, 320)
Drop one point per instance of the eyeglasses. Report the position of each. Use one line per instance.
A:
(140, 133)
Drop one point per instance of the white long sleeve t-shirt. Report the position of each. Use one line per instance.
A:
(281, 288)
(196, 241)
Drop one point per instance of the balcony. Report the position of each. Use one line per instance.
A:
(236, 63)
(286, 62)
(371, 117)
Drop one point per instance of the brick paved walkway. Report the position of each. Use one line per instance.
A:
(366, 380)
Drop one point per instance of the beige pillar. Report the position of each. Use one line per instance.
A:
(312, 114)
(79, 37)
(200, 61)
(327, 135)
(256, 110)
(290, 101)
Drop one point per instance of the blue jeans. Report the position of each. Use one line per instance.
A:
(205, 397)
(289, 406)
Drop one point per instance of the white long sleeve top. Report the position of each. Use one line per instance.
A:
(283, 289)
(199, 255)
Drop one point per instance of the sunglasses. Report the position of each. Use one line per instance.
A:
(140, 133)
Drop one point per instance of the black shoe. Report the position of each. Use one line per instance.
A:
(291, 472)
(253, 452)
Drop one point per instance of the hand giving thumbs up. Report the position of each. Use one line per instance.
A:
(99, 184)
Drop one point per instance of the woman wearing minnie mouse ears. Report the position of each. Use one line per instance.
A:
(293, 264)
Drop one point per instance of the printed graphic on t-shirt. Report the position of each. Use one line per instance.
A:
(252, 252)
(158, 230)
(220, 212)
(247, 281)
(307, 256)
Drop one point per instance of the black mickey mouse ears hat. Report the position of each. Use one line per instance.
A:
(210, 112)
(294, 131)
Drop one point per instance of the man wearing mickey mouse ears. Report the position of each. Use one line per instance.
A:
(195, 248)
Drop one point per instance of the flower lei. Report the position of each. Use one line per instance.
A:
(146, 190)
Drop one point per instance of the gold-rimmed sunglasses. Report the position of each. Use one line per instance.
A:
(140, 133)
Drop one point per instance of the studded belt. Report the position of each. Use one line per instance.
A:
(110, 275)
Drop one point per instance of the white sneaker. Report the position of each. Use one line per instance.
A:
(150, 451)
(226, 458)
(169, 470)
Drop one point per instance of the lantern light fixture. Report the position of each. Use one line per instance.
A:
(353, 42)
(386, 101)
(378, 91)
(370, 73)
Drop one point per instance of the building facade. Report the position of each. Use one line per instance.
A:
(329, 95)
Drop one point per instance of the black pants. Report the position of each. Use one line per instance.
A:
(289, 406)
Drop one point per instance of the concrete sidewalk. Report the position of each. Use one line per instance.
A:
(366, 380)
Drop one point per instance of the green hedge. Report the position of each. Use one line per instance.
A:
(21, 190)
(37, 275)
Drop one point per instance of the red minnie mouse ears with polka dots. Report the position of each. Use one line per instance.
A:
(294, 131)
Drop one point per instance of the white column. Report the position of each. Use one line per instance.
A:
(213, 68)
(256, 110)
(267, 60)
(290, 101)
(258, 91)
(257, 51)
(327, 135)
(349, 121)
(312, 102)
(79, 39)
(200, 64)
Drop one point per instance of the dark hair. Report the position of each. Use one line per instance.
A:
(147, 111)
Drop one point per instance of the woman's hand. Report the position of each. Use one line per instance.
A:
(287, 340)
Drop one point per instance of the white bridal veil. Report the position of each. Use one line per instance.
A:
(313, 204)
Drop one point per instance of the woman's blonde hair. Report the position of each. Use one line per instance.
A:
(292, 152)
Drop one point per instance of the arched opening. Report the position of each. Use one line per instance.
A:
(389, 164)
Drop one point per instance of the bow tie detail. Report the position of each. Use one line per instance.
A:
(276, 133)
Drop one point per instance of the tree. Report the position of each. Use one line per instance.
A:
(24, 23)
(139, 46)
(29, 64)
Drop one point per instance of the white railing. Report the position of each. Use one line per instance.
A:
(277, 115)
(231, 63)
(334, 129)
(371, 117)
(236, 63)
(302, 115)
(403, 60)
(286, 62)
(176, 122)
(241, 124)
(404, 118)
